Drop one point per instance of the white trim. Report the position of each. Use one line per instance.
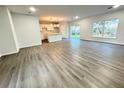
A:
(19, 50)
(90, 40)
(0, 55)
(13, 29)
(9, 53)
(31, 45)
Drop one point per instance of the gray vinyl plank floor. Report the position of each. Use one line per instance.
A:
(64, 64)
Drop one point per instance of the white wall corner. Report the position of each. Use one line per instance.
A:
(13, 29)
(7, 33)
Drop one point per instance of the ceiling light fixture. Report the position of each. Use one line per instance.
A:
(116, 6)
(52, 18)
(32, 9)
(76, 17)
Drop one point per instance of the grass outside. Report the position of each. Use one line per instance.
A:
(75, 36)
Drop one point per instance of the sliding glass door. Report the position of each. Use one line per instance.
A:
(75, 31)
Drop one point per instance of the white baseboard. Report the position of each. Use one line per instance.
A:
(13, 52)
(40, 43)
(115, 43)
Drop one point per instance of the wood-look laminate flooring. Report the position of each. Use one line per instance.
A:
(66, 63)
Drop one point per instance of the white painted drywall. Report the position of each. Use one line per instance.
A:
(64, 29)
(27, 30)
(13, 29)
(86, 25)
(8, 44)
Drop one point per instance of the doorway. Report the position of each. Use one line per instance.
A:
(75, 31)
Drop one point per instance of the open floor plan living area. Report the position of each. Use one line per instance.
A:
(61, 46)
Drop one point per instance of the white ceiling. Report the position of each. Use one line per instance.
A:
(65, 11)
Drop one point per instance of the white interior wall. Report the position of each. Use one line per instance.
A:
(27, 30)
(13, 30)
(64, 29)
(8, 44)
(86, 25)
(17, 31)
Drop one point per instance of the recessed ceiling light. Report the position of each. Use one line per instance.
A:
(116, 6)
(32, 9)
(76, 17)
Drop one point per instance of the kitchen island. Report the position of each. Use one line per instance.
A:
(54, 37)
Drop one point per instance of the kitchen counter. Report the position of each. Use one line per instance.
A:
(54, 37)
